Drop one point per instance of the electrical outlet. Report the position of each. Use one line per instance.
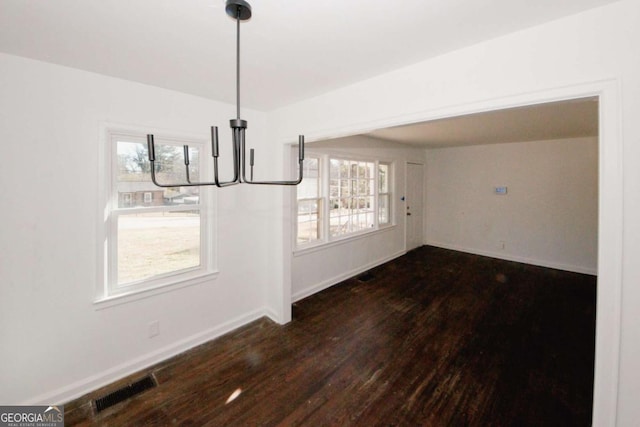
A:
(154, 328)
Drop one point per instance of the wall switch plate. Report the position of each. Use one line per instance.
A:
(501, 191)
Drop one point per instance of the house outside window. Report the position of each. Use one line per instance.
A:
(126, 199)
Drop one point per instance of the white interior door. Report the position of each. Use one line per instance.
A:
(414, 205)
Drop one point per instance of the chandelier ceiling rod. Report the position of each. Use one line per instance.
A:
(240, 10)
(237, 58)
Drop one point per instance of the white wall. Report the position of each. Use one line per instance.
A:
(55, 345)
(318, 268)
(548, 217)
(592, 53)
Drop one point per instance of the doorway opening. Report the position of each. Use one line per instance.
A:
(610, 211)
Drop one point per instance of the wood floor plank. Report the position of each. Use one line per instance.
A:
(435, 338)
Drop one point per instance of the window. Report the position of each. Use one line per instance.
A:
(351, 196)
(339, 197)
(155, 236)
(309, 202)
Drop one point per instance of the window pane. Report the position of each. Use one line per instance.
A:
(308, 224)
(133, 180)
(353, 169)
(334, 207)
(345, 189)
(344, 169)
(334, 169)
(383, 178)
(339, 225)
(308, 193)
(157, 243)
(351, 193)
(365, 187)
(383, 209)
(311, 167)
(309, 187)
(334, 188)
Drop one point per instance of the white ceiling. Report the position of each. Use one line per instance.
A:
(554, 120)
(291, 49)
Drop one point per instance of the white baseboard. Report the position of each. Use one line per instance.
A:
(339, 278)
(273, 315)
(517, 258)
(86, 385)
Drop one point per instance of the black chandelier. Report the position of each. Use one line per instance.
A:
(240, 10)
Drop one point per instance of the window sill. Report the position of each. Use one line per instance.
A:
(138, 294)
(315, 247)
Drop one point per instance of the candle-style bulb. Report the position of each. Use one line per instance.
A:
(186, 155)
(301, 147)
(151, 148)
(214, 141)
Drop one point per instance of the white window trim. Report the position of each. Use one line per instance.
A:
(106, 230)
(389, 193)
(307, 249)
(319, 201)
(325, 239)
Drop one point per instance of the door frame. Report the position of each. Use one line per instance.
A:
(610, 214)
(404, 211)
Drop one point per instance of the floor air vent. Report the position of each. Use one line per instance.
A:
(124, 393)
(365, 277)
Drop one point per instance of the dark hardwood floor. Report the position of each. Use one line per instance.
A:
(434, 338)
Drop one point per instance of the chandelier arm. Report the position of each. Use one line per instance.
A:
(215, 168)
(152, 158)
(215, 153)
(217, 182)
(292, 182)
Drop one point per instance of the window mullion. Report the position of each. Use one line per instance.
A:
(376, 195)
